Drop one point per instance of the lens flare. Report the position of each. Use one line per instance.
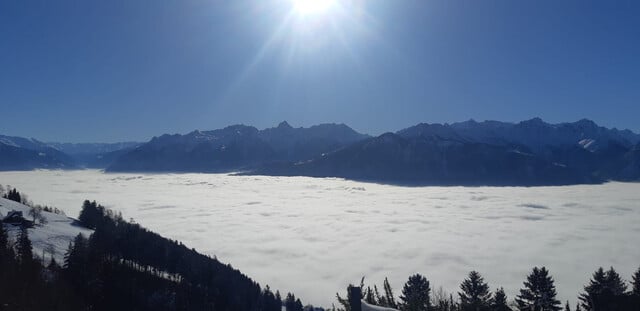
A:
(307, 7)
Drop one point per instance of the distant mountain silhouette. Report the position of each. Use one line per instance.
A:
(235, 147)
(94, 155)
(17, 153)
(583, 145)
(91, 148)
(530, 152)
(432, 160)
(535, 133)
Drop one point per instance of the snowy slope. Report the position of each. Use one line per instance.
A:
(368, 307)
(58, 232)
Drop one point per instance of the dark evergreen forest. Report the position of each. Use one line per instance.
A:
(123, 266)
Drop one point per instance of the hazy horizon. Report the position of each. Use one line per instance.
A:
(305, 126)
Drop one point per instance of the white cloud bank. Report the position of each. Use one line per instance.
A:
(314, 236)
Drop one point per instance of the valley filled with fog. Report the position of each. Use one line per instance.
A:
(313, 236)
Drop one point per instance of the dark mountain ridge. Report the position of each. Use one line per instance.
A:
(18, 153)
(530, 152)
(233, 148)
(432, 160)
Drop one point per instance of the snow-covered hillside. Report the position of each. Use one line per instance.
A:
(57, 232)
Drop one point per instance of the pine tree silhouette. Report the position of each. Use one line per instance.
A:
(415, 294)
(475, 295)
(605, 291)
(24, 248)
(635, 290)
(539, 293)
(500, 301)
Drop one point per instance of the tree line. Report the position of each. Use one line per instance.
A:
(35, 210)
(606, 291)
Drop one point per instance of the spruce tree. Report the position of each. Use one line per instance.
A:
(292, 304)
(298, 305)
(500, 301)
(76, 259)
(605, 291)
(278, 299)
(415, 294)
(567, 307)
(91, 215)
(24, 248)
(14, 195)
(635, 290)
(270, 301)
(345, 301)
(5, 256)
(539, 293)
(475, 295)
(4, 242)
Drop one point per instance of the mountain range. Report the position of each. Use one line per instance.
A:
(530, 152)
(18, 153)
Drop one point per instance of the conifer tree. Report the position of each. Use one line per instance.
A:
(278, 299)
(500, 301)
(605, 291)
(92, 215)
(24, 248)
(4, 242)
(298, 305)
(635, 289)
(475, 295)
(388, 295)
(289, 302)
(76, 259)
(5, 255)
(292, 304)
(539, 293)
(345, 301)
(415, 294)
(567, 307)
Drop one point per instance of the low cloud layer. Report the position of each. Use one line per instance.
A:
(314, 236)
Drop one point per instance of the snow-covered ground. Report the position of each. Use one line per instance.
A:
(55, 235)
(314, 236)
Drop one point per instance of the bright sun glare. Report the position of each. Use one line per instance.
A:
(307, 7)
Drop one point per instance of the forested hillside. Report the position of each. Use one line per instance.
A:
(122, 266)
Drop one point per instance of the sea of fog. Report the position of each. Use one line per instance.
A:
(314, 236)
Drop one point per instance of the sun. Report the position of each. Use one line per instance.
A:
(309, 7)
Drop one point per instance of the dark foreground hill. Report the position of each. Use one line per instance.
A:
(120, 266)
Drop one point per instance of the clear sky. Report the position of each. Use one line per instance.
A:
(128, 70)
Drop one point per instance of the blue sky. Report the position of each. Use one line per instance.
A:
(128, 70)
